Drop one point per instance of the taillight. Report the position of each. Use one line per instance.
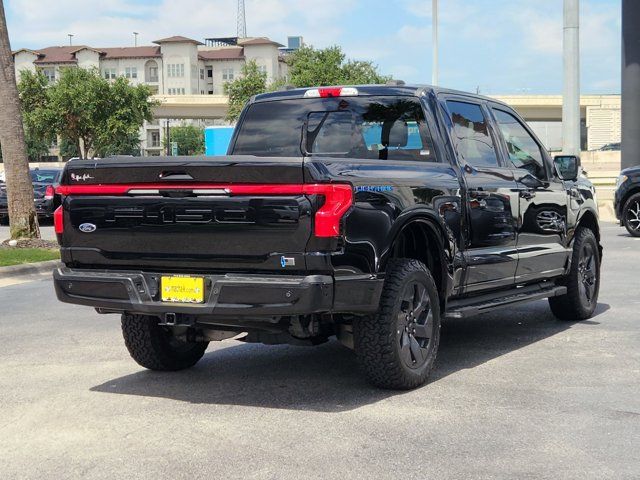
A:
(338, 198)
(58, 220)
(329, 92)
(49, 192)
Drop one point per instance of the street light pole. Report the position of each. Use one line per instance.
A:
(135, 39)
(434, 32)
(630, 83)
(70, 35)
(571, 91)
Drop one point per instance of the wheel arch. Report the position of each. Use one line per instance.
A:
(422, 238)
(630, 193)
(589, 219)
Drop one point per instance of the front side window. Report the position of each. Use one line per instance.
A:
(524, 151)
(471, 134)
(380, 128)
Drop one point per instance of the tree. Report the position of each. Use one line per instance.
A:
(22, 215)
(99, 117)
(309, 67)
(251, 82)
(190, 139)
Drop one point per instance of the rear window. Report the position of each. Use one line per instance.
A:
(384, 128)
(44, 176)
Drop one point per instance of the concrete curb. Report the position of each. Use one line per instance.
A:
(29, 269)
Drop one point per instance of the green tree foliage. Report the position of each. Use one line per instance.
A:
(251, 82)
(99, 117)
(309, 67)
(190, 139)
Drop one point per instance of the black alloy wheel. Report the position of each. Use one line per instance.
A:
(631, 215)
(415, 325)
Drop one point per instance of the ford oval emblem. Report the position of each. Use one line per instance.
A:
(87, 227)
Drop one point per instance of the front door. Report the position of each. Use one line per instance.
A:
(491, 198)
(542, 226)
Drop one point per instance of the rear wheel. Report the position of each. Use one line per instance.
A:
(154, 347)
(397, 348)
(582, 282)
(631, 215)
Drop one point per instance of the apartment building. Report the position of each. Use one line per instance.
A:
(173, 66)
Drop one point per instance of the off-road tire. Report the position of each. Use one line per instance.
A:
(574, 305)
(377, 338)
(152, 347)
(630, 213)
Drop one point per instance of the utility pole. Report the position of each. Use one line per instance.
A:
(242, 21)
(70, 35)
(571, 91)
(135, 39)
(630, 83)
(434, 41)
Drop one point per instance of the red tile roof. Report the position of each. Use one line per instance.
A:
(178, 39)
(231, 53)
(131, 52)
(258, 41)
(58, 54)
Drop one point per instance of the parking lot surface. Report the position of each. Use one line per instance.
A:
(515, 395)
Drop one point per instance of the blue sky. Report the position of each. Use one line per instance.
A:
(498, 46)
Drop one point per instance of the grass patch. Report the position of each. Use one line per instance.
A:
(18, 256)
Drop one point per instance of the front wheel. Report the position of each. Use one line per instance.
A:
(582, 282)
(631, 215)
(397, 348)
(154, 347)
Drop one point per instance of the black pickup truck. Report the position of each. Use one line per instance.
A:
(368, 213)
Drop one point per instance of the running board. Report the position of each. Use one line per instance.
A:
(469, 307)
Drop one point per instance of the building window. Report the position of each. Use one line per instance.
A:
(175, 70)
(176, 91)
(202, 74)
(227, 74)
(110, 73)
(155, 139)
(131, 72)
(50, 73)
(153, 74)
(209, 72)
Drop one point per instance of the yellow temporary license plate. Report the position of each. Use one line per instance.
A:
(182, 289)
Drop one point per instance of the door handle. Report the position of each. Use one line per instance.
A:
(527, 194)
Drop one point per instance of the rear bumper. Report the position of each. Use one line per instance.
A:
(226, 296)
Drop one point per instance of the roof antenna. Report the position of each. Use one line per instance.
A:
(242, 20)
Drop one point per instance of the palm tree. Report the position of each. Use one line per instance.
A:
(22, 215)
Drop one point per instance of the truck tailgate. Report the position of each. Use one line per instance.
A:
(185, 214)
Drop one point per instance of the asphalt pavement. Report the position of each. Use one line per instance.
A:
(515, 395)
(46, 231)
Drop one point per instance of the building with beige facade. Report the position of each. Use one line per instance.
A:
(174, 67)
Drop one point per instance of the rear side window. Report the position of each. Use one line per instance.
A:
(383, 128)
(471, 133)
(524, 151)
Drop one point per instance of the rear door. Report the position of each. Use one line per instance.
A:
(491, 197)
(542, 226)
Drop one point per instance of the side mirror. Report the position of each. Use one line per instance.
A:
(567, 167)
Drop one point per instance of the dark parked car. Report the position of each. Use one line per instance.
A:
(610, 147)
(627, 200)
(45, 199)
(368, 213)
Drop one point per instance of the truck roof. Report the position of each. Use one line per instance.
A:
(412, 90)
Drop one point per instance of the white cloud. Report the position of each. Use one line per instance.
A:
(39, 23)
